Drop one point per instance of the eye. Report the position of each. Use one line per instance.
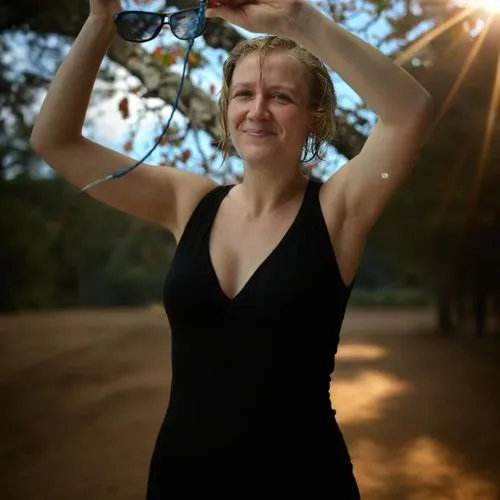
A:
(242, 94)
(281, 97)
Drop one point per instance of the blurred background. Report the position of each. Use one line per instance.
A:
(85, 366)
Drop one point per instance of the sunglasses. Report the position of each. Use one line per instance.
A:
(140, 26)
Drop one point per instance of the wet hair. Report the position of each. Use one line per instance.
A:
(323, 100)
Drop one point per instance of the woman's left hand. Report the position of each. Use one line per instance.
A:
(273, 17)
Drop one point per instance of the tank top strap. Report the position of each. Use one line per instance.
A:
(200, 222)
(311, 206)
(314, 229)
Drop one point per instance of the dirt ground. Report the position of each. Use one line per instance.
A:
(82, 395)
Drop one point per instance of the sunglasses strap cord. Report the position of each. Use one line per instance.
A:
(121, 173)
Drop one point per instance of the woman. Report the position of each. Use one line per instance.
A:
(257, 290)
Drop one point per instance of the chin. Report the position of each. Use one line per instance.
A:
(259, 154)
(261, 159)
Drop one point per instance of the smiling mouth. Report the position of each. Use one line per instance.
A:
(259, 133)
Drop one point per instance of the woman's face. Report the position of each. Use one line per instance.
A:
(268, 114)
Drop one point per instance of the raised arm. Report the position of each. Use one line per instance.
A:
(157, 194)
(354, 197)
(402, 105)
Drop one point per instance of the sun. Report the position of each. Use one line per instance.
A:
(490, 6)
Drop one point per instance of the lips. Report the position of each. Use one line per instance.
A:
(258, 132)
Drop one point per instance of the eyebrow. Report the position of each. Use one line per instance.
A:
(283, 87)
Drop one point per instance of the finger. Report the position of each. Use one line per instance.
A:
(217, 11)
(229, 3)
(216, 3)
(222, 9)
(240, 3)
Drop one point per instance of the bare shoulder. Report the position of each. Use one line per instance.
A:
(189, 189)
(159, 194)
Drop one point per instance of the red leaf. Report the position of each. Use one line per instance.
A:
(158, 52)
(186, 154)
(123, 108)
(135, 90)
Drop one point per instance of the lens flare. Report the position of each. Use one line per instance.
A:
(490, 6)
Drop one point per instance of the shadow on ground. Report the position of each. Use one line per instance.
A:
(420, 412)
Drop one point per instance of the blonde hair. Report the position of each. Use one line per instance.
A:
(323, 100)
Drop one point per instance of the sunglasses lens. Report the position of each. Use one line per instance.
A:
(138, 26)
(187, 24)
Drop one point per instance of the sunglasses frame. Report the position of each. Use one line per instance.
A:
(165, 21)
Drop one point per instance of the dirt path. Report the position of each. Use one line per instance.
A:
(82, 395)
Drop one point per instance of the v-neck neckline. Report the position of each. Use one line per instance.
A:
(264, 262)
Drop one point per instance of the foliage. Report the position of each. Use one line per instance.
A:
(439, 235)
(391, 298)
(61, 248)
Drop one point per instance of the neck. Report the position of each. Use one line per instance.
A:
(264, 190)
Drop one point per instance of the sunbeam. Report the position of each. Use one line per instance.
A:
(491, 6)
(490, 124)
(463, 73)
(452, 184)
(420, 43)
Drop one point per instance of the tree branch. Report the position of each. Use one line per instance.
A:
(65, 17)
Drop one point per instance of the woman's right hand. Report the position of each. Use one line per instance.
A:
(103, 10)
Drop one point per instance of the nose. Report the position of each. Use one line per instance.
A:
(258, 108)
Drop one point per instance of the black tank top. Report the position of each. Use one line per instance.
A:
(253, 372)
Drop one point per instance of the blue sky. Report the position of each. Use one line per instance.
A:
(106, 126)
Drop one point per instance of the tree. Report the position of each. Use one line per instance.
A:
(452, 197)
(431, 39)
